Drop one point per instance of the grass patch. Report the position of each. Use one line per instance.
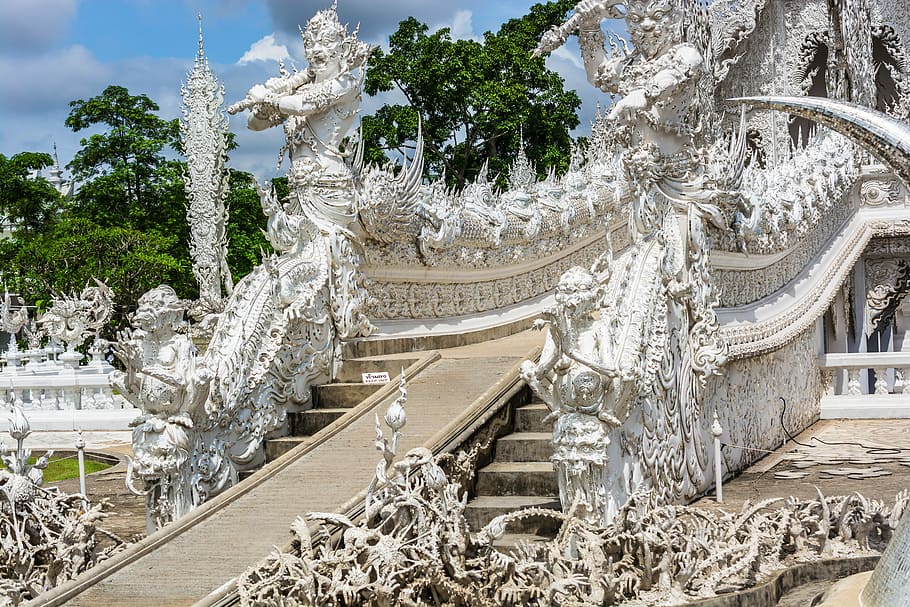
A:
(64, 467)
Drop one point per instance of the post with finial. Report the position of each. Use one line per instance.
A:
(716, 431)
(80, 451)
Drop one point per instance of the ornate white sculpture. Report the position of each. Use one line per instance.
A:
(205, 420)
(317, 107)
(46, 537)
(415, 547)
(162, 380)
(628, 386)
(71, 319)
(202, 132)
(11, 322)
(580, 378)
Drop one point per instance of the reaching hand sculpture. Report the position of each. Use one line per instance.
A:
(587, 394)
(162, 380)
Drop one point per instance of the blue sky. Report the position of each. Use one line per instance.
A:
(55, 51)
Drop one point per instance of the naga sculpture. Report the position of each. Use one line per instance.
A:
(626, 387)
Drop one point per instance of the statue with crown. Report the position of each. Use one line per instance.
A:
(652, 308)
(318, 107)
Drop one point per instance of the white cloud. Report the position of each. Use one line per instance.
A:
(35, 25)
(265, 49)
(462, 29)
(31, 84)
(562, 54)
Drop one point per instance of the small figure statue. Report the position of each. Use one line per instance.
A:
(588, 395)
(162, 380)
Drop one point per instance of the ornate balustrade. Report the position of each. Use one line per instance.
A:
(45, 378)
(884, 393)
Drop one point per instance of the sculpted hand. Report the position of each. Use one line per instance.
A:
(629, 105)
(259, 93)
(590, 12)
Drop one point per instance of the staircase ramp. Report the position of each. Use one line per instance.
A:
(449, 393)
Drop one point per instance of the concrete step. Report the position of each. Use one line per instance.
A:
(482, 510)
(529, 418)
(276, 447)
(524, 447)
(311, 421)
(333, 396)
(536, 479)
(352, 370)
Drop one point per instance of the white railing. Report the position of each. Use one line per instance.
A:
(879, 362)
(852, 394)
(49, 378)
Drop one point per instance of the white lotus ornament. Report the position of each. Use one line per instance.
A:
(19, 428)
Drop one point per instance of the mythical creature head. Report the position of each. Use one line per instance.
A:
(159, 309)
(653, 24)
(577, 290)
(325, 39)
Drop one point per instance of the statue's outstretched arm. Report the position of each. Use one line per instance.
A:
(316, 97)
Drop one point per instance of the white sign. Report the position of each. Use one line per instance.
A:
(375, 378)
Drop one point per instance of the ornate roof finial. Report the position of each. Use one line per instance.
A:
(200, 57)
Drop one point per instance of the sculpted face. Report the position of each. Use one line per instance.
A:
(323, 40)
(158, 308)
(652, 24)
(577, 290)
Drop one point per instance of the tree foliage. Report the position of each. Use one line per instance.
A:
(28, 203)
(246, 223)
(126, 223)
(474, 99)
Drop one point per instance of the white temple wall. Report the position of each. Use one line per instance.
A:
(747, 399)
(895, 13)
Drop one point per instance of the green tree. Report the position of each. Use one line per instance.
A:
(65, 257)
(125, 177)
(128, 181)
(474, 99)
(126, 224)
(245, 226)
(29, 203)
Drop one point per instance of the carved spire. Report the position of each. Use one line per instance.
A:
(202, 130)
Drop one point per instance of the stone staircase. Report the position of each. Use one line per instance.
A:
(331, 401)
(519, 476)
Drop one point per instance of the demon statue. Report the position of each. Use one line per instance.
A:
(588, 395)
(626, 387)
(162, 380)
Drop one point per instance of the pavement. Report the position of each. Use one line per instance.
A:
(836, 456)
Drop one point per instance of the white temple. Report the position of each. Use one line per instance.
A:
(702, 257)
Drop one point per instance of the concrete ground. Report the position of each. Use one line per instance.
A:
(840, 457)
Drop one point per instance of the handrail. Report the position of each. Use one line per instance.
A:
(72, 588)
(863, 360)
(475, 416)
(775, 321)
